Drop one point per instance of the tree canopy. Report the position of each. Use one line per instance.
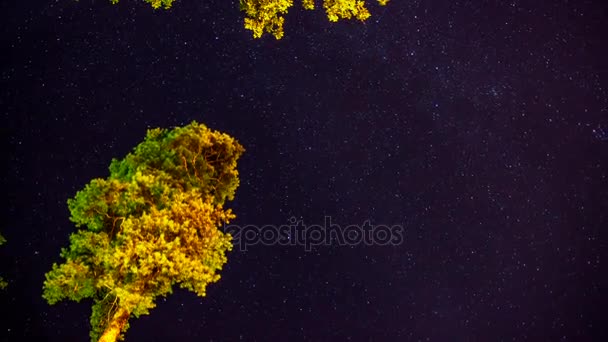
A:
(267, 16)
(153, 223)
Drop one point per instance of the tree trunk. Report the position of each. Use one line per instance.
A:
(120, 318)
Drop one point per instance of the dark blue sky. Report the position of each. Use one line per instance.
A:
(473, 124)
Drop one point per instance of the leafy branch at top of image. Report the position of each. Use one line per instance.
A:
(267, 16)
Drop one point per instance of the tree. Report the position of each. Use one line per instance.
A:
(3, 283)
(153, 223)
(266, 16)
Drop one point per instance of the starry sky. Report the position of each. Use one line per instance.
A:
(481, 127)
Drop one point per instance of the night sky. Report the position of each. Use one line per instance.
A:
(481, 127)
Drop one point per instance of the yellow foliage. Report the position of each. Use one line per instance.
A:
(156, 4)
(308, 4)
(179, 244)
(345, 9)
(267, 16)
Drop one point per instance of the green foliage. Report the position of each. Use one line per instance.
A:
(150, 225)
(103, 307)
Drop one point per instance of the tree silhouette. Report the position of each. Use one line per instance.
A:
(151, 224)
(267, 16)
